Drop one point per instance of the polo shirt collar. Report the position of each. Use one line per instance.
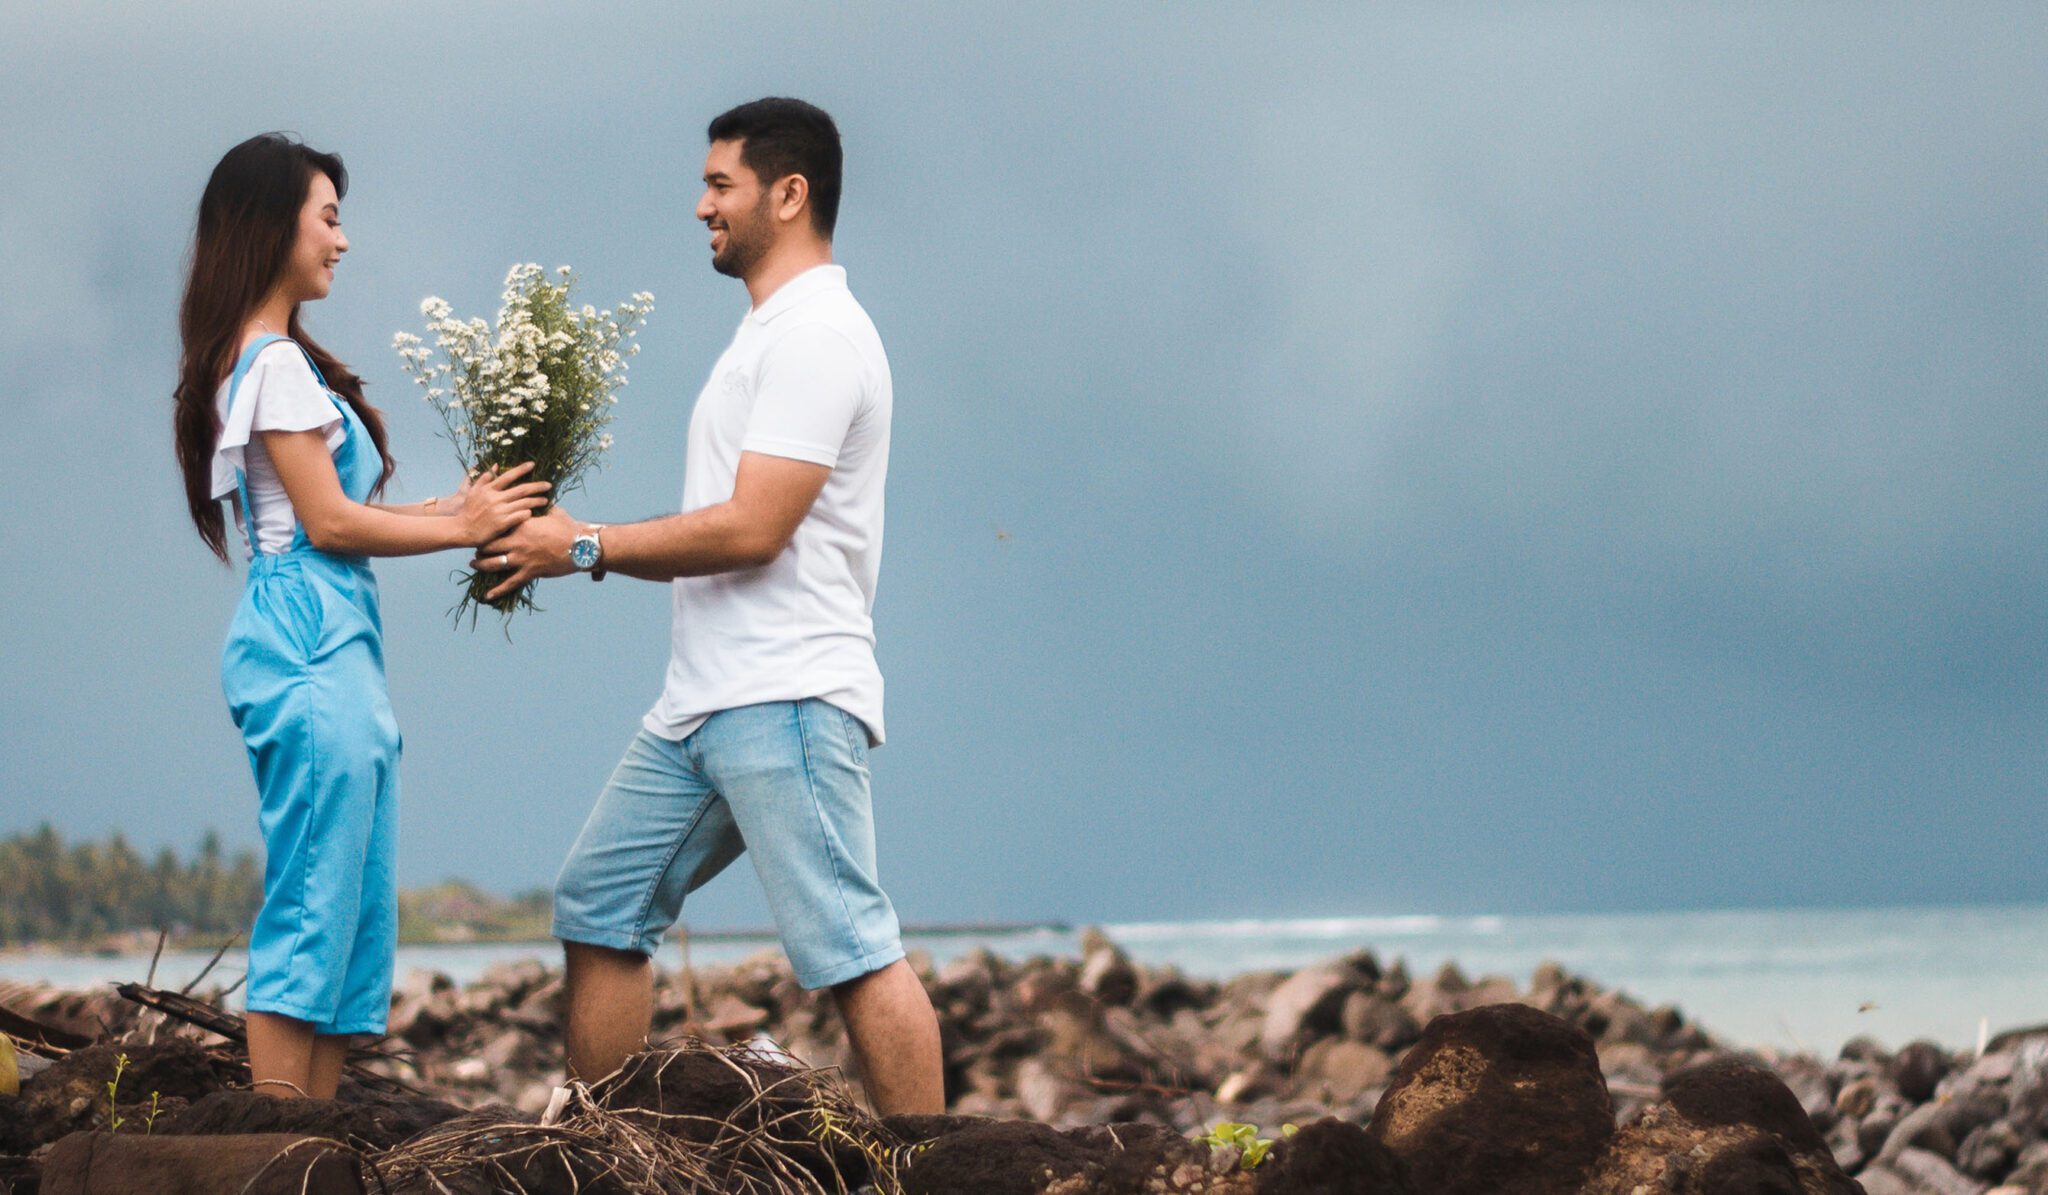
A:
(814, 281)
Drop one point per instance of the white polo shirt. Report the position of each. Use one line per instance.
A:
(805, 378)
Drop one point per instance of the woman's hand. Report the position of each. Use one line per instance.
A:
(493, 504)
(454, 504)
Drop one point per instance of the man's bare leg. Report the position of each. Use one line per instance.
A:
(895, 1035)
(611, 1007)
(280, 1055)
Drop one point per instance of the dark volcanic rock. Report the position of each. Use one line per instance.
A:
(1918, 1069)
(72, 1095)
(20, 1176)
(2012, 1039)
(1734, 1091)
(997, 1158)
(1021, 1157)
(1918, 1172)
(259, 1164)
(1332, 1157)
(1665, 1153)
(1370, 1018)
(1723, 1126)
(1990, 1151)
(696, 1091)
(1498, 1100)
(914, 1128)
(370, 1125)
(1306, 1005)
(17, 1128)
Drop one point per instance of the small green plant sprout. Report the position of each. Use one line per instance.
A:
(114, 1119)
(1251, 1147)
(149, 1119)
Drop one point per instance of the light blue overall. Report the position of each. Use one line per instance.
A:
(303, 671)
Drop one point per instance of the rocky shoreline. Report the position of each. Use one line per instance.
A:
(1063, 1074)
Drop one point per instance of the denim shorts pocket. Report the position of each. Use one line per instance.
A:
(856, 737)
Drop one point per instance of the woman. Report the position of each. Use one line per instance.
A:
(270, 419)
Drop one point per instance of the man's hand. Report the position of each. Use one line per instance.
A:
(538, 547)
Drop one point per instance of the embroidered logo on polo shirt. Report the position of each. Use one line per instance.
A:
(736, 383)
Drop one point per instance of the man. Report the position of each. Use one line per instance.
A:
(759, 741)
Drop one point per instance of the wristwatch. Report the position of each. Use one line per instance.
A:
(586, 550)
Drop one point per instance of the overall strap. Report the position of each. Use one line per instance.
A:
(242, 365)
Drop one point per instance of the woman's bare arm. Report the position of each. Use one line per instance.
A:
(336, 523)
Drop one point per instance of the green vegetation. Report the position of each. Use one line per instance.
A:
(1245, 1137)
(456, 911)
(103, 895)
(114, 1118)
(51, 892)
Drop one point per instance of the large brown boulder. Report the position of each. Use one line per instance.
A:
(255, 1164)
(1497, 1100)
(1022, 1157)
(1332, 1157)
(71, 1096)
(1726, 1127)
(376, 1123)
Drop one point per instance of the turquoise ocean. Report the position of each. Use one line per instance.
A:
(1804, 979)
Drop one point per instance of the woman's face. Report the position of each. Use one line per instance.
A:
(309, 274)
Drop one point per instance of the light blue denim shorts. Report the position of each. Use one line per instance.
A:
(785, 782)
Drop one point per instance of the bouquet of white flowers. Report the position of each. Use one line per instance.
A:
(539, 387)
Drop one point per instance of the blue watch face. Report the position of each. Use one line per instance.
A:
(583, 552)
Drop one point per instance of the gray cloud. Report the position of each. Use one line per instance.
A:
(1450, 459)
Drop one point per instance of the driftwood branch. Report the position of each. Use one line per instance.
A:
(221, 1023)
(208, 968)
(37, 1036)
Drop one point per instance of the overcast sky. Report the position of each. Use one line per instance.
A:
(1426, 458)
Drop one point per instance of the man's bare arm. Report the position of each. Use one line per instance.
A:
(770, 497)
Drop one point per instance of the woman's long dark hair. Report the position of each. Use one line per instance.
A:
(248, 222)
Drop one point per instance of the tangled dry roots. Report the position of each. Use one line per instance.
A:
(688, 1119)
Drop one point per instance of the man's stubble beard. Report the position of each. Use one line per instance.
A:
(743, 249)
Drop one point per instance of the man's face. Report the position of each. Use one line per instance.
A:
(735, 209)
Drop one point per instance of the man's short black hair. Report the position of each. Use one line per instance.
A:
(779, 137)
